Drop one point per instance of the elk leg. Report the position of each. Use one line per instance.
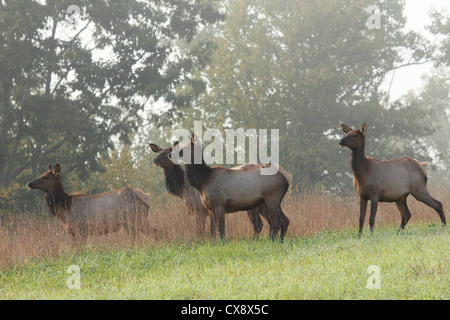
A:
(284, 224)
(425, 197)
(272, 203)
(221, 221)
(132, 230)
(200, 220)
(257, 211)
(373, 212)
(264, 212)
(274, 222)
(253, 215)
(362, 215)
(213, 223)
(404, 212)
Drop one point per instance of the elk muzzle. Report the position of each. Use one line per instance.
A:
(30, 185)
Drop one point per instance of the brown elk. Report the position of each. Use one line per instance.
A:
(177, 185)
(224, 190)
(386, 181)
(85, 215)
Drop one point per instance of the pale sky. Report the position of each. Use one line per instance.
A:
(417, 14)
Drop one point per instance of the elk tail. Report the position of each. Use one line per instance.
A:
(286, 174)
(423, 165)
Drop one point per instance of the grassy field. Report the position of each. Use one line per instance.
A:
(412, 265)
(321, 258)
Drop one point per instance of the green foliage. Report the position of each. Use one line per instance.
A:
(74, 93)
(67, 89)
(11, 197)
(440, 28)
(303, 67)
(122, 169)
(434, 99)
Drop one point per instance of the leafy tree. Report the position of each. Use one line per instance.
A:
(121, 168)
(434, 97)
(71, 83)
(305, 66)
(440, 28)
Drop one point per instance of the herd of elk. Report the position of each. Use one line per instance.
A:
(177, 185)
(224, 190)
(215, 191)
(85, 215)
(386, 181)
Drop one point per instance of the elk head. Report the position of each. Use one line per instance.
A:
(189, 153)
(163, 158)
(354, 138)
(47, 181)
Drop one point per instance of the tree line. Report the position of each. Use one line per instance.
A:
(84, 87)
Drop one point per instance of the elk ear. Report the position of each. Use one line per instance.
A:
(56, 169)
(345, 128)
(364, 129)
(49, 167)
(155, 148)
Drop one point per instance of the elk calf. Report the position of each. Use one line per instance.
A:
(84, 215)
(386, 181)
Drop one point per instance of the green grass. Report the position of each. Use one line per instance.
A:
(414, 264)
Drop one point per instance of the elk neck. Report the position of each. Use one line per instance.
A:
(358, 161)
(175, 182)
(198, 174)
(58, 201)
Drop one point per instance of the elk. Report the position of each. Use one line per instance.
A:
(224, 190)
(177, 184)
(85, 215)
(386, 181)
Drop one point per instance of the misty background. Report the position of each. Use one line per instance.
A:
(92, 86)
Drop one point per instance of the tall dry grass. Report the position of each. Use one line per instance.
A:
(32, 235)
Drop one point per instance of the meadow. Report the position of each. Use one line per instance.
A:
(321, 258)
